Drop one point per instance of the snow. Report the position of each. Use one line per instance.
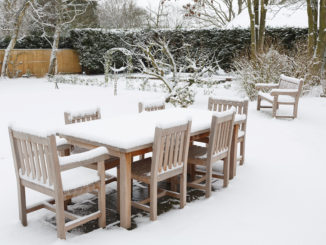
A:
(290, 79)
(83, 156)
(277, 197)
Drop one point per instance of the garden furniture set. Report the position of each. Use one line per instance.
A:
(88, 145)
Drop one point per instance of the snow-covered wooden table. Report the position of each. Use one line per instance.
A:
(131, 135)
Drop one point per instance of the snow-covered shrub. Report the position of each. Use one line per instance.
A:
(268, 67)
(182, 95)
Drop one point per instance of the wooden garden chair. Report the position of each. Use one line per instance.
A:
(151, 106)
(286, 92)
(206, 159)
(89, 115)
(38, 167)
(241, 106)
(170, 153)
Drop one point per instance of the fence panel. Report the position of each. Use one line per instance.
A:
(36, 62)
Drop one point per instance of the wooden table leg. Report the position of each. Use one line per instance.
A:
(125, 190)
(233, 153)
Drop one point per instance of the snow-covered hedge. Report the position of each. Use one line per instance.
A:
(222, 45)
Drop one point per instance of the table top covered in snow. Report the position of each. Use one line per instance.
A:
(132, 132)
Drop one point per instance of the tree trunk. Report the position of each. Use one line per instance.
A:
(312, 11)
(262, 24)
(252, 30)
(14, 36)
(319, 55)
(256, 16)
(53, 59)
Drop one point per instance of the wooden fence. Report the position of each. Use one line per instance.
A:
(36, 62)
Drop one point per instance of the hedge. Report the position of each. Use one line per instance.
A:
(221, 45)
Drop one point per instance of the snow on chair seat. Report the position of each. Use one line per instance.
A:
(37, 167)
(286, 92)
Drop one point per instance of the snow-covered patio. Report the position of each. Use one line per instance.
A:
(277, 197)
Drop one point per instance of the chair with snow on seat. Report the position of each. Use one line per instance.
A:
(286, 92)
(154, 105)
(170, 153)
(206, 159)
(89, 115)
(38, 167)
(241, 106)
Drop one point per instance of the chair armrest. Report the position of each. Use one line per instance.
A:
(85, 158)
(291, 92)
(266, 85)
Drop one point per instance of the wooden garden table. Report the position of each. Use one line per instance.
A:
(131, 135)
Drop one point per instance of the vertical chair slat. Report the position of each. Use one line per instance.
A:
(172, 150)
(176, 149)
(166, 152)
(21, 157)
(31, 158)
(26, 159)
(48, 164)
(182, 135)
(36, 161)
(43, 163)
(161, 153)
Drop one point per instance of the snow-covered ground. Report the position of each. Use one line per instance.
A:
(277, 197)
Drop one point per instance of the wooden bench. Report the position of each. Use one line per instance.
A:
(286, 92)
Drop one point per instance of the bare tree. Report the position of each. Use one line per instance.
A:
(118, 14)
(213, 12)
(156, 59)
(57, 16)
(158, 17)
(15, 12)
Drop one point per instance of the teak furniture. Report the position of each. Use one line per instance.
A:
(89, 115)
(286, 92)
(151, 106)
(125, 140)
(218, 149)
(241, 107)
(170, 154)
(38, 167)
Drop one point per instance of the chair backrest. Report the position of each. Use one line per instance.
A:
(241, 106)
(82, 116)
(151, 106)
(35, 158)
(170, 149)
(221, 133)
(290, 83)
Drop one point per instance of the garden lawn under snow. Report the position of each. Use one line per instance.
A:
(277, 197)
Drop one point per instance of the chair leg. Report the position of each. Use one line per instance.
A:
(60, 217)
(22, 204)
(275, 106)
(258, 103)
(295, 111)
(101, 196)
(208, 187)
(153, 201)
(183, 190)
(192, 173)
(174, 183)
(242, 151)
(118, 189)
(226, 170)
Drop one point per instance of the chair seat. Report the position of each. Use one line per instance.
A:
(281, 98)
(217, 167)
(197, 152)
(71, 179)
(141, 170)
